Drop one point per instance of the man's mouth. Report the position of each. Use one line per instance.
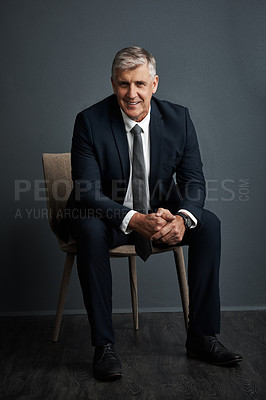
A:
(132, 103)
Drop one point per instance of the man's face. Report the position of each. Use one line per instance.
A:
(134, 89)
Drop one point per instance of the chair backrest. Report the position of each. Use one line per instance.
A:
(58, 183)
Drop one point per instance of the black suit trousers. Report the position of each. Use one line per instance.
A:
(94, 239)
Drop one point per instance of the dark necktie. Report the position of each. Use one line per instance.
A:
(140, 197)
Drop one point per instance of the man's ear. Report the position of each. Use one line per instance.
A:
(155, 83)
(113, 85)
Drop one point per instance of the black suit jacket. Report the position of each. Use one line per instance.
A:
(100, 161)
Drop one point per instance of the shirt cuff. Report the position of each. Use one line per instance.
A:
(125, 222)
(191, 216)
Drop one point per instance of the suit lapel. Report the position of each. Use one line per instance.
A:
(156, 143)
(120, 137)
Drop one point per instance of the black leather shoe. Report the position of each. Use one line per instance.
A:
(209, 349)
(106, 364)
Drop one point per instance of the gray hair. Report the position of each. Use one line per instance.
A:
(131, 57)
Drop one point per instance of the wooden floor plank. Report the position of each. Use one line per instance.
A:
(154, 361)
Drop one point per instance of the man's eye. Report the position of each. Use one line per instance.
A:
(123, 84)
(140, 84)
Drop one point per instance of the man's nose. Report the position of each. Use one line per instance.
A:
(132, 92)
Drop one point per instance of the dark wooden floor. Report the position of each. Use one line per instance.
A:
(154, 360)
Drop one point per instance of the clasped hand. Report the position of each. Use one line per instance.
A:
(160, 227)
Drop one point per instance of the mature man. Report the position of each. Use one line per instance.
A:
(125, 153)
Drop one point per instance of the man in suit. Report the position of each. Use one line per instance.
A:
(106, 178)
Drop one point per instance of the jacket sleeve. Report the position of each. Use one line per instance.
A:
(190, 178)
(86, 176)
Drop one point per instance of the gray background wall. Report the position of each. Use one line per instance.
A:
(55, 61)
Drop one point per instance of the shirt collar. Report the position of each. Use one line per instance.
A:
(129, 123)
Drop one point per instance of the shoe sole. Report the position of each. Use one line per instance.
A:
(111, 377)
(197, 357)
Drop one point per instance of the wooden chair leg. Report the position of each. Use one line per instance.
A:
(134, 289)
(62, 295)
(182, 280)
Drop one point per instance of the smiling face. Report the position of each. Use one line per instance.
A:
(134, 89)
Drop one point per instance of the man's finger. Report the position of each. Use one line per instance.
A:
(165, 214)
(164, 231)
(168, 217)
(160, 212)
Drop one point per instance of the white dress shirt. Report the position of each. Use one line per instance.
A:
(128, 201)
